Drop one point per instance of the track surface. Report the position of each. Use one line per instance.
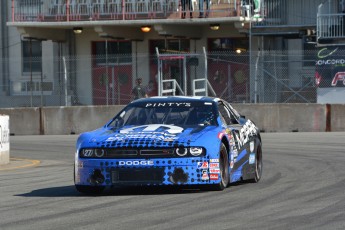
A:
(303, 187)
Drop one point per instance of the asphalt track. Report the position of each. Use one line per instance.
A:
(303, 187)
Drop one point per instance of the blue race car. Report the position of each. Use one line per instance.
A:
(162, 141)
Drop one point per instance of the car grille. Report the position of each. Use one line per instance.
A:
(132, 153)
(137, 176)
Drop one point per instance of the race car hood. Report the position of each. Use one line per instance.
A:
(149, 135)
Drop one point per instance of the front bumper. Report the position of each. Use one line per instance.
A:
(158, 171)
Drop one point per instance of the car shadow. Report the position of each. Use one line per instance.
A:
(70, 191)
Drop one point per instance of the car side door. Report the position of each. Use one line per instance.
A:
(232, 121)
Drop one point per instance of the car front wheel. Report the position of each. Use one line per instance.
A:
(224, 170)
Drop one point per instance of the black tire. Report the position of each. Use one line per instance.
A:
(224, 169)
(90, 190)
(258, 165)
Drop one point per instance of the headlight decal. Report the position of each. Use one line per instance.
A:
(196, 151)
(99, 153)
(190, 151)
(181, 151)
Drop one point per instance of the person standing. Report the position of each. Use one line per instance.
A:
(201, 8)
(138, 91)
(187, 3)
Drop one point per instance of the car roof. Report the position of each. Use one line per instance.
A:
(177, 99)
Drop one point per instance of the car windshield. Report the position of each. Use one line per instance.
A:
(198, 114)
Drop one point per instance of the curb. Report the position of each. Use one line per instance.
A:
(17, 163)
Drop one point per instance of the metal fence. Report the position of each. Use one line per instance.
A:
(272, 77)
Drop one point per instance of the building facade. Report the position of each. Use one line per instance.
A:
(90, 52)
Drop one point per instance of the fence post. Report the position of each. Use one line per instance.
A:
(65, 78)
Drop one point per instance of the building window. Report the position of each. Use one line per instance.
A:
(116, 52)
(169, 45)
(228, 44)
(32, 56)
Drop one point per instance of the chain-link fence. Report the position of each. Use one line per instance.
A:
(272, 77)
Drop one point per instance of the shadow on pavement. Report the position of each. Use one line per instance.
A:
(70, 191)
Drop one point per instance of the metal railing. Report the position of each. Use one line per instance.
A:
(86, 10)
(203, 90)
(330, 26)
(170, 87)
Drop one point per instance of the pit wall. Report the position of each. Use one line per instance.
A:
(268, 117)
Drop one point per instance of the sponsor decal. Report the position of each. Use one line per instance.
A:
(251, 146)
(204, 175)
(214, 165)
(214, 176)
(330, 62)
(228, 133)
(220, 135)
(214, 160)
(114, 138)
(248, 130)
(231, 164)
(148, 132)
(171, 129)
(135, 163)
(340, 76)
(235, 153)
(215, 170)
(168, 104)
(323, 53)
(203, 165)
(252, 158)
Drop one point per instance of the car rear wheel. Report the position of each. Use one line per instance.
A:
(258, 165)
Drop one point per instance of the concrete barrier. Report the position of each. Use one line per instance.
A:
(76, 119)
(269, 117)
(24, 121)
(286, 117)
(4, 140)
(337, 117)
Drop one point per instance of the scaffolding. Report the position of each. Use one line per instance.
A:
(199, 86)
